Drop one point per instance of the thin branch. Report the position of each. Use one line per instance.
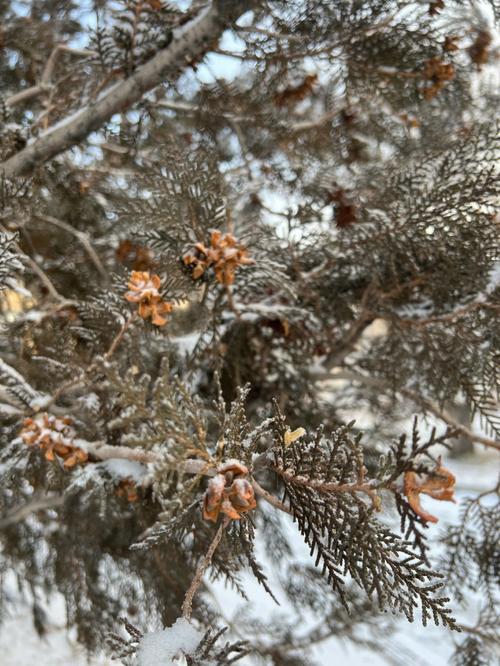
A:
(108, 452)
(300, 39)
(187, 606)
(262, 492)
(20, 513)
(291, 37)
(344, 346)
(189, 42)
(326, 487)
(82, 238)
(102, 451)
(44, 85)
(442, 319)
(305, 125)
(119, 336)
(299, 126)
(190, 466)
(243, 147)
(446, 418)
(44, 278)
(427, 404)
(58, 50)
(24, 95)
(476, 631)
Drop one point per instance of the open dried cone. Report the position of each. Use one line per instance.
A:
(127, 488)
(224, 254)
(144, 290)
(440, 485)
(229, 492)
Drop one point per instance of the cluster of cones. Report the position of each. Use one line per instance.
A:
(224, 255)
(54, 436)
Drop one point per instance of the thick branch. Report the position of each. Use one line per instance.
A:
(190, 466)
(189, 42)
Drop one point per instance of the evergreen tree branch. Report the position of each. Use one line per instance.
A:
(189, 43)
(45, 80)
(44, 278)
(427, 404)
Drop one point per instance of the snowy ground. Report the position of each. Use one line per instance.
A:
(21, 646)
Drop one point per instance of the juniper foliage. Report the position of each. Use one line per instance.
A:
(290, 220)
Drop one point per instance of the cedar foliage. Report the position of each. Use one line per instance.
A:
(350, 163)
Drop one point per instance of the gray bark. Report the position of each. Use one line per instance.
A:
(189, 42)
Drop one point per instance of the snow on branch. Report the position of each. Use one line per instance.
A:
(161, 647)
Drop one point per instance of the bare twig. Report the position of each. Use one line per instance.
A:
(58, 50)
(108, 452)
(304, 125)
(119, 336)
(483, 635)
(459, 313)
(187, 606)
(243, 146)
(102, 451)
(82, 238)
(262, 492)
(44, 85)
(25, 95)
(44, 278)
(300, 39)
(22, 512)
(344, 346)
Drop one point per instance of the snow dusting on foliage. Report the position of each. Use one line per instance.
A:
(125, 469)
(161, 647)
